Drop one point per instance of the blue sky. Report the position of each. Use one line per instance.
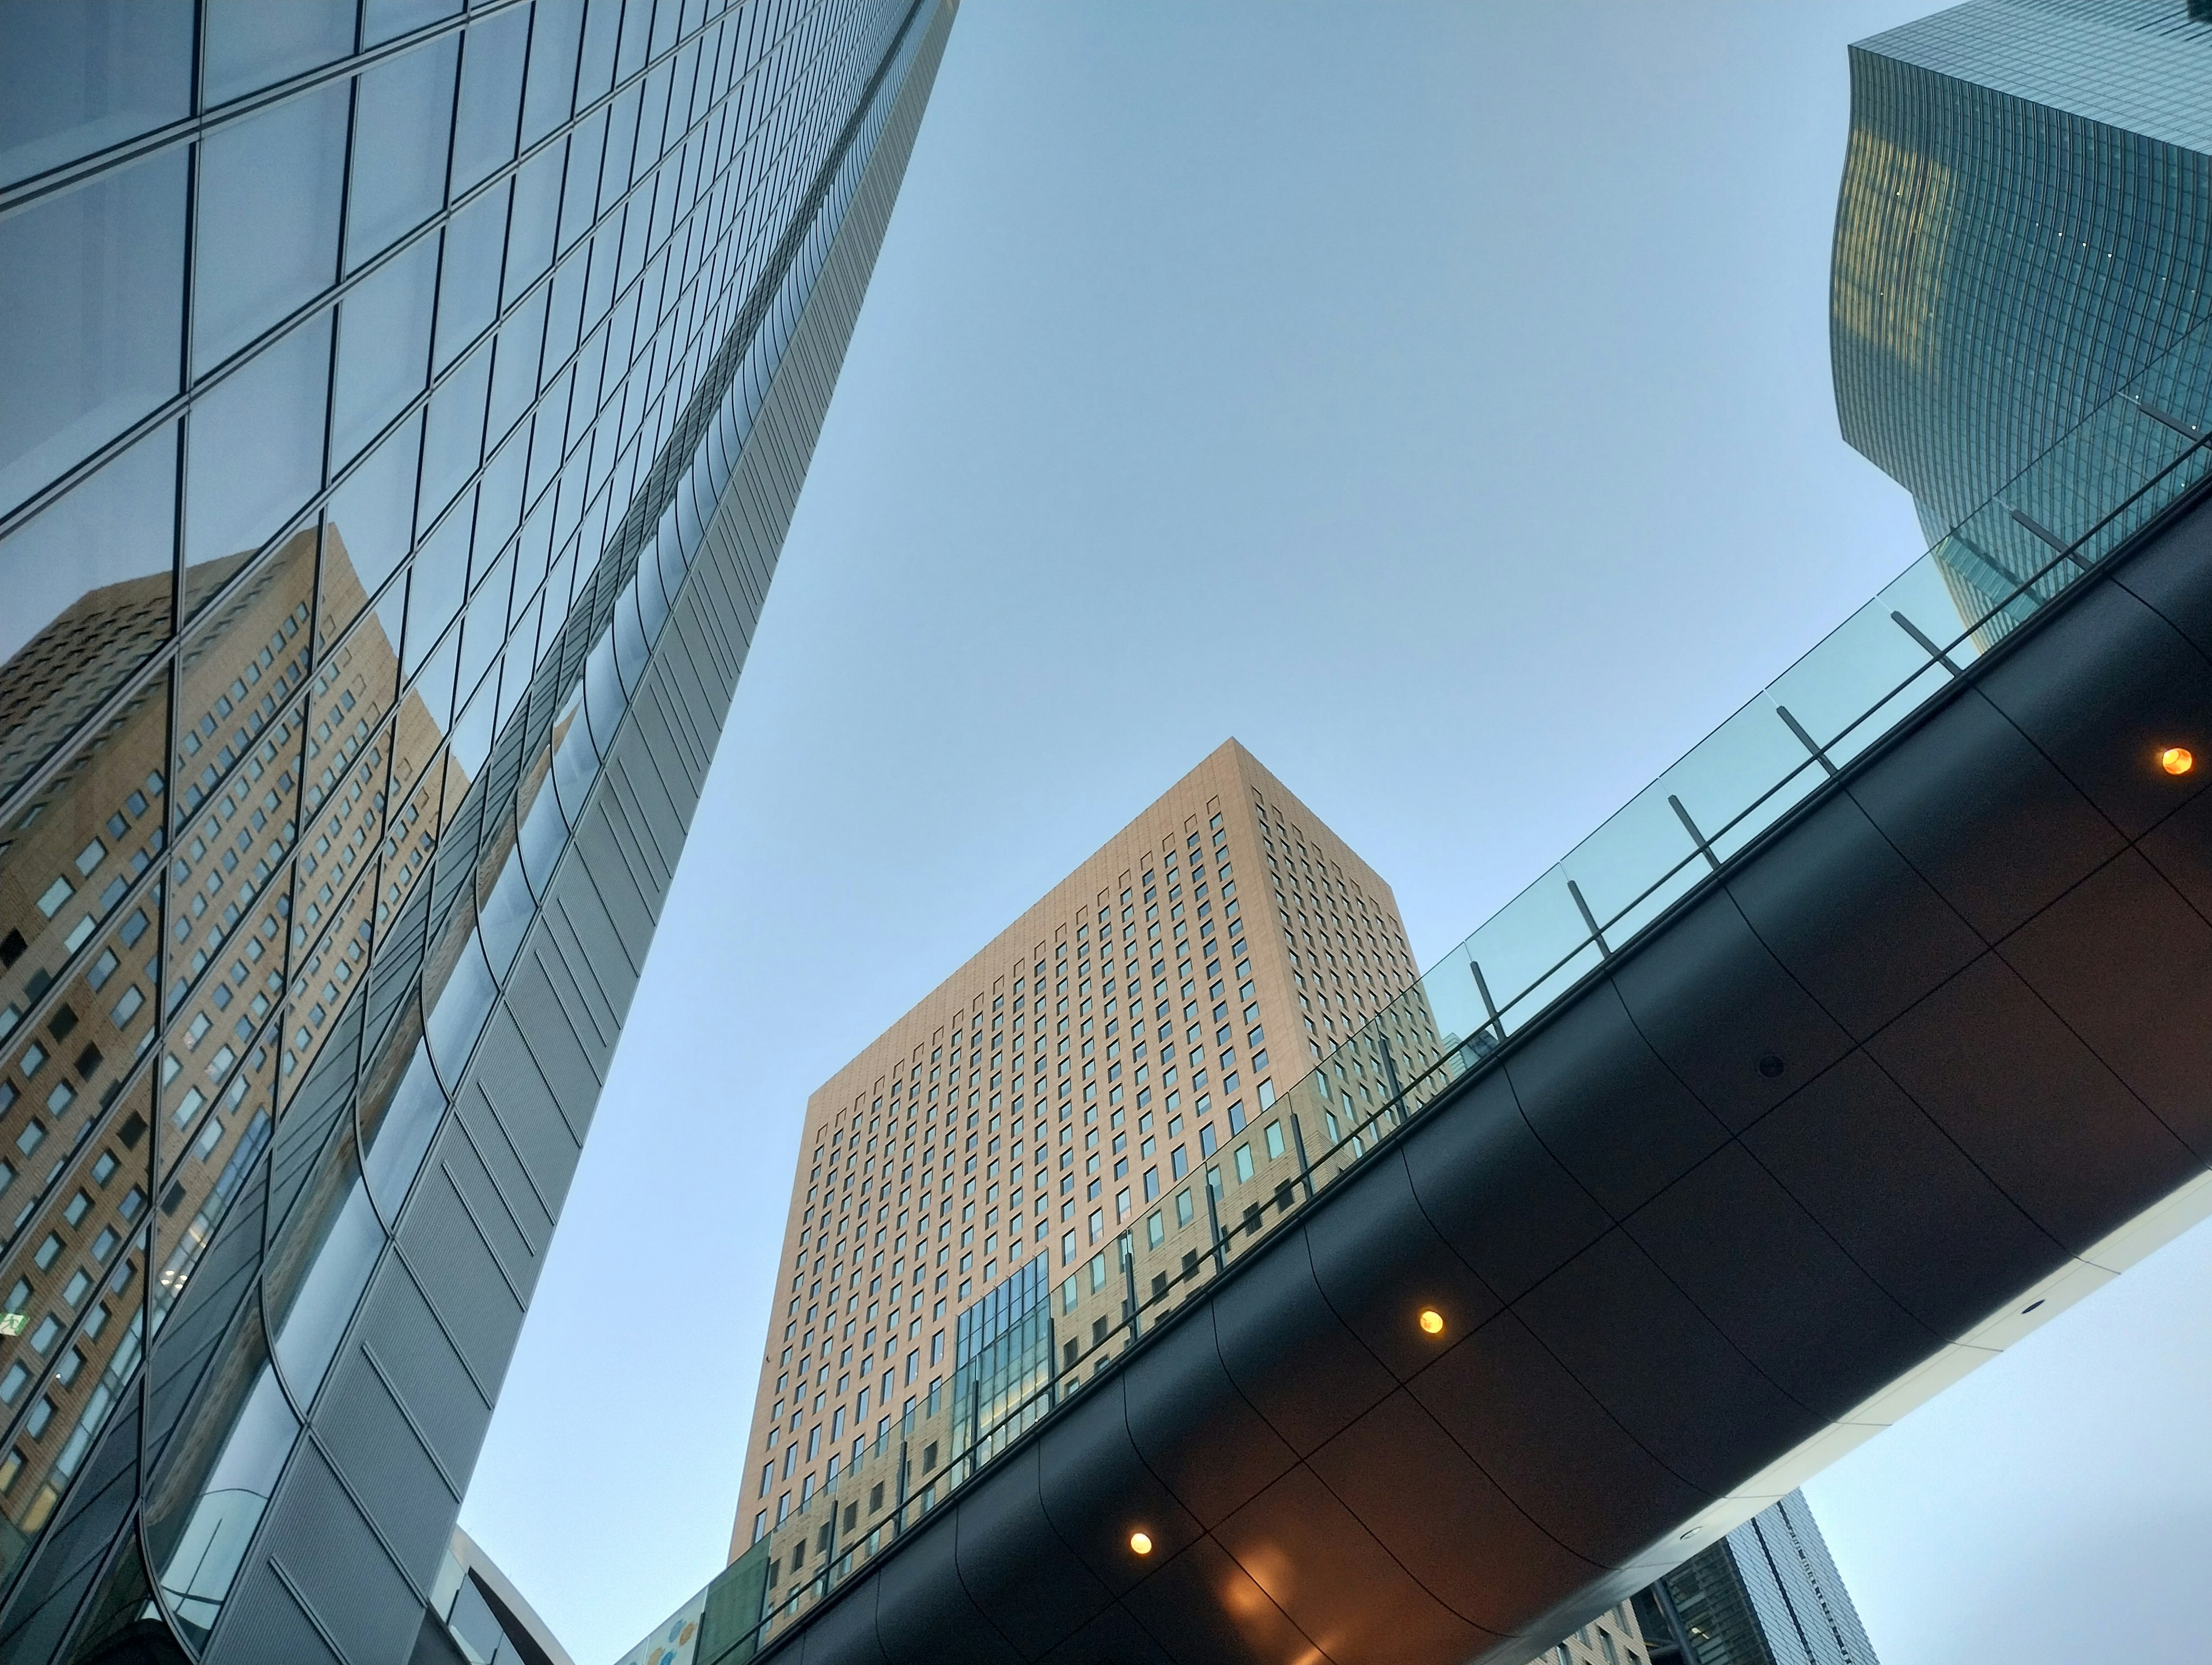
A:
(1436, 399)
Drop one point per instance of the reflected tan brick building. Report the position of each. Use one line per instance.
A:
(984, 1186)
(83, 895)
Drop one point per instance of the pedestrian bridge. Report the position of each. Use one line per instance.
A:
(1861, 1043)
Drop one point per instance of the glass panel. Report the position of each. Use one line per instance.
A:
(411, 834)
(400, 1110)
(319, 1282)
(580, 196)
(537, 214)
(255, 447)
(468, 290)
(76, 78)
(1524, 943)
(236, 764)
(401, 127)
(384, 348)
(364, 529)
(1737, 767)
(505, 912)
(595, 68)
(254, 43)
(514, 373)
(435, 587)
(74, 1207)
(491, 94)
(1637, 846)
(455, 440)
(91, 318)
(349, 744)
(471, 739)
(552, 67)
(211, 1138)
(499, 501)
(88, 590)
(485, 631)
(269, 192)
(199, 1548)
(387, 20)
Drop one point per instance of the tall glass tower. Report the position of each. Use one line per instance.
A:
(401, 409)
(2021, 234)
(1768, 1594)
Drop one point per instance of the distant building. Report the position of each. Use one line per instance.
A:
(1615, 1638)
(2021, 235)
(1768, 1594)
(1055, 1132)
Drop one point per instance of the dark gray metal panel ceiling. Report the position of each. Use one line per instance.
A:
(1940, 1034)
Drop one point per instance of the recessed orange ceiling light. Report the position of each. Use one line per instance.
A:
(1432, 1321)
(2177, 760)
(1141, 1542)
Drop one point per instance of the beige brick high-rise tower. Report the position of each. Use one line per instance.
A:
(1049, 1115)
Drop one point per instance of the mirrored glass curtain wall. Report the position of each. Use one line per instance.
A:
(401, 409)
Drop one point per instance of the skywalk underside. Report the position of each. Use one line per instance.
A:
(1675, 1278)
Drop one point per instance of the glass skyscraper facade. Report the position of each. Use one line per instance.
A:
(2021, 235)
(401, 409)
(1768, 1594)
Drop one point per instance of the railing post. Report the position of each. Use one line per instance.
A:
(1390, 1072)
(1490, 1006)
(1305, 1168)
(1213, 1224)
(1129, 1277)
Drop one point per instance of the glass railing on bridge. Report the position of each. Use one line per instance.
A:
(2134, 456)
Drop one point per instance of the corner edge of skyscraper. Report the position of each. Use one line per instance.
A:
(281, 1441)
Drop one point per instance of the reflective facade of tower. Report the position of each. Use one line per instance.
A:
(401, 408)
(2021, 235)
(1768, 1594)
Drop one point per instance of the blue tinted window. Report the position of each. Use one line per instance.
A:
(499, 500)
(384, 348)
(115, 529)
(491, 95)
(468, 291)
(455, 440)
(637, 35)
(537, 212)
(91, 313)
(595, 68)
(367, 523)
(579, 204)
(79, 77)
(545, 101)
(400, 130)
(514, 374)
(255, 447)
(268, 191)
(434, 589)
(251, 43)
(387, 20)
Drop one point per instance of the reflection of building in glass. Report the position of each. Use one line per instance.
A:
(89, 979)
(2020, 232)
(1768, 1594)
(1054, 1132)
(402, 429)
